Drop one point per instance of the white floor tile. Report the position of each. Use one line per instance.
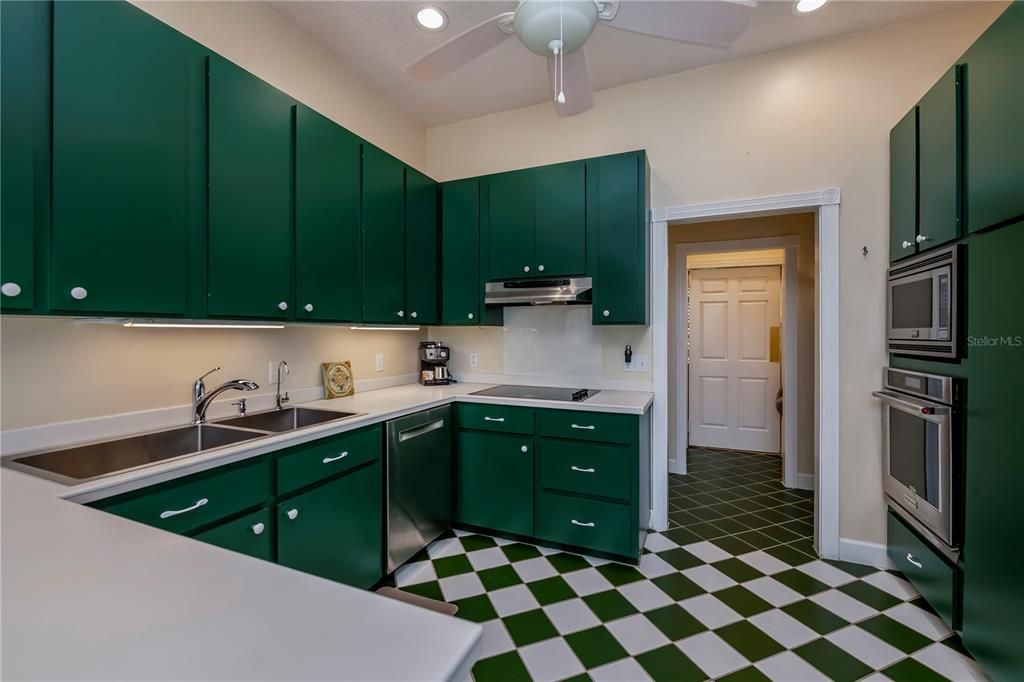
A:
(595, 560)
(783, 628)
(887, 582)
(788, 667)
(495, 639)
(571, 615)
(645, 595)
(830, 575)
(709, 577)
(772, 591)
(712, 654)
(949, 663)
(707, 552)
(653, 566)
(875, 677)
(915, 618)
(656, 542)
(626, 670)
(511, 600)
(587, 581)
(487, 558)
(537, 568)
(461, 586)
(548, 551)
(504, 541)
(709, 611)
(550, 660)
(764, 562)
(636, 634)
(463, 533)
(417, 572)
(865, 647)
(445, 547)
(843, 605)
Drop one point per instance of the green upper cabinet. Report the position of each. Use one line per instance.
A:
(561, 226)
(422, 286)
(126, 88)
(461, 287)
(250, 198)
(24, 145)
(617, 208)
(993, 132)
(508, 224)
(383, 249)
(903, 187)
(327, 159)
(938, 136)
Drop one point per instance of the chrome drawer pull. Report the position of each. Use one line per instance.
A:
(585, 428)
(580, 523)
(494, 419)
(258, 528)
(582, 471)
(174, 512)
(328, 460)
(910, 558)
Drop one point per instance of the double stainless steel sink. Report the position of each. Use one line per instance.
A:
(85, 462)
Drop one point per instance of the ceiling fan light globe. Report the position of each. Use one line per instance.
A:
(431, 18)
(538, 22)
(807, 6)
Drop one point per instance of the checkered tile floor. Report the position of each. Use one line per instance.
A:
(732, 591)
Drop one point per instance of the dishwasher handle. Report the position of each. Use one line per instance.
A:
(418, 431)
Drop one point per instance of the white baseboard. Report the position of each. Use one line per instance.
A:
(805, 481)
(867, 553)
(557, 381)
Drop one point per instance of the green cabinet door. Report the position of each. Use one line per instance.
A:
(251, 534)
(617, 237)
(24, 144)
(383, 251)
(561, 234)
(903, 187)
(461, 287)
(494, 481)
(994, 134)
(422, 284)
(508, 224)
(939, 162)
(122, 95)
(993, 613)
(250, 198)
(327, 159)
(335, 530)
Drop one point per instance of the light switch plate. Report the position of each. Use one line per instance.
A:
(639, 364)
(378, 362)
(474, 359)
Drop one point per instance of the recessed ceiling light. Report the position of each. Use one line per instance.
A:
(431, 18)
(807, 6)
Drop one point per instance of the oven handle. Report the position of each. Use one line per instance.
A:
(922, 406)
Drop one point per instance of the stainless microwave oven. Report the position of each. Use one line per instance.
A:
(923, 305)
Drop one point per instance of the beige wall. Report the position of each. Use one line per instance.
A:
(790, 121)
(258, 39)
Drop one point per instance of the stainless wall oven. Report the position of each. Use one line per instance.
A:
(922, 451)
(923, 305)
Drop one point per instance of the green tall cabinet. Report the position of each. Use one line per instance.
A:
(461, 286)
(903, 187)
(249, 257)
(383, 229)
(939, 162)
(422, 283)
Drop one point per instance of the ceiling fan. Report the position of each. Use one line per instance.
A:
(557, 29)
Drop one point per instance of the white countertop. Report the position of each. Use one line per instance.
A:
(89, 595)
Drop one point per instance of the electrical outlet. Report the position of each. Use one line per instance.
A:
(378, 362)
(639, 364)
(474, 359)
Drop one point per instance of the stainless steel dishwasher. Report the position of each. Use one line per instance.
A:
(419, 482)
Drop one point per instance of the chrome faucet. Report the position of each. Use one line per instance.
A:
(201, 399)
(280, 401)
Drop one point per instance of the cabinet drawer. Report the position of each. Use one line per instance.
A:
(194, 501)
(496, 418)
(590, 468)
(581, 425)
(250, 535)
(590, 524)
(936, 580)
(317, 460)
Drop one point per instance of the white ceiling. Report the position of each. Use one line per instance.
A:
(378, 38)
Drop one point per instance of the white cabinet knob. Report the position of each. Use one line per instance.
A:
(524, 449)
(282, 305)
(78, 293)
(606, 313)
(541, 268)
(907, 245)
(308, 307)
(526, 269)
(470, 316)
(258, 528)
(401, 313)
(292, 514)
(10, 289)
(412, 314)
(920, 239)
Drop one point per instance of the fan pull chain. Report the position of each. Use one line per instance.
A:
(561, 55)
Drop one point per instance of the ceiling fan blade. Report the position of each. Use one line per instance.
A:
(716, 23)
(579, 93)
(460, 50)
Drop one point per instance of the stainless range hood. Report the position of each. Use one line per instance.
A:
(539, 291)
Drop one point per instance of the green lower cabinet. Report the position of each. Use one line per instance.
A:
(252, 534)
(494, 481)
(335, 530)
(587, 523)
(936, 579)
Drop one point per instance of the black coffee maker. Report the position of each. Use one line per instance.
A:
(434, 357)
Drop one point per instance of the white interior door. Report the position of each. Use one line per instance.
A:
(734, 366)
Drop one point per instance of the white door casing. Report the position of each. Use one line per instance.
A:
(733, 379)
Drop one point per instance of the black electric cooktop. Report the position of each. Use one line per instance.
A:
(575, 395)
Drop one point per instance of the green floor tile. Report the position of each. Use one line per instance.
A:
(789, 555)
(529, 627)
(909, 670)
(869, 594)
(706, 530)
(732, 545)
(619, 574)
(431, 590)
(856, 570)
(669, 664)
(551, 590)
(742, 601)
(897, 634)
(452, 565)
(750, 674)
(746, 638)
(833, 661)
(681, 536)
(477, 609)
(582, 677)
(678, 586)
(567, 563)
(519, 551)
(731, 525)
(756, 539)
(675, 621)
(504, 668)
(800, 582)
(806, 546)
(738, 570)
(817, 618)
(679, 558)
(609, 605)
(471, 543)
(781, 534)
(497, 577)
(595, 647)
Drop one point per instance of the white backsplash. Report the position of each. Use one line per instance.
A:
(552, 340)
